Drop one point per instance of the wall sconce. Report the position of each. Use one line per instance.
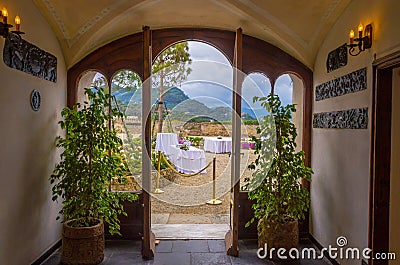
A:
(4, 26)
(363, 42)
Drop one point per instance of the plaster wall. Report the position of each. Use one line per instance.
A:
(27, 146)
(341, 157)
(394, 210)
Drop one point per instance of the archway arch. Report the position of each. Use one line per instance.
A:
(89, 79)
(290, 89)
(257, 56)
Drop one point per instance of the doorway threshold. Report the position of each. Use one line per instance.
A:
(190, 231)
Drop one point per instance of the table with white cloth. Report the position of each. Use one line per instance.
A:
(218, 145)
(188, 161)
(164, 142)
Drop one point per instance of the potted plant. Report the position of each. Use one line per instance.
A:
(280, 199)
(89, 160)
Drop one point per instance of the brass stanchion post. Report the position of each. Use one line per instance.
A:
(214, 201)
(158, 190)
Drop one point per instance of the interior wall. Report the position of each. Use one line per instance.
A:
(27, 147)
(394, 210)
(341, 157)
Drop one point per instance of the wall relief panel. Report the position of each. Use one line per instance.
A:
(337, 58)
(350, 83)
(344, 119)
(26, 57)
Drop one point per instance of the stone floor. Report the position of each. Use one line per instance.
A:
(192, 218)
(189, 231)
(187, 252)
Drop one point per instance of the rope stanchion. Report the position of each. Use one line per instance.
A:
(161, 156)
(214, 200)
(183, 174)
(158, 190)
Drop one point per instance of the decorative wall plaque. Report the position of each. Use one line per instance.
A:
(350, 83)
(36, 100)
(344, 119)
(337, 58)
(24, 56)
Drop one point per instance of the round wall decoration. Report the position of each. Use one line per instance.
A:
(36, 100)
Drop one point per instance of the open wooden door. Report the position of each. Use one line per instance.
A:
(231, 238)
(148, 242)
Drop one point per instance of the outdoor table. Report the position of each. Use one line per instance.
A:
(164, 142)
(215, 145)
(188, 161)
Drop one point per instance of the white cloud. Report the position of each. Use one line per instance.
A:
(204, 52)
(211, 94)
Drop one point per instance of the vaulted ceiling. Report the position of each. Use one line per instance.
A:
(296, 26)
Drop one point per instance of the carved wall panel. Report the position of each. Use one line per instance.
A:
(350, 83)
(337, 58)
(24, 56)
(344, 119)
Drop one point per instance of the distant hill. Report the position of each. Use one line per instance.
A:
(173, 97)
(247, 112)
(183, 108)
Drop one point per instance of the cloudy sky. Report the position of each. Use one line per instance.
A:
(210, 81)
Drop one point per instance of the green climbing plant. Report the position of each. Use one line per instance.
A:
(90, 158)
(276, 183)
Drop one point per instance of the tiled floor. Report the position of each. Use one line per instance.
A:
(186, 252)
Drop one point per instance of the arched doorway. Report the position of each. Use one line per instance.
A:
(252, 55)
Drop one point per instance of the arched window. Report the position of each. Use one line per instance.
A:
(89, 79)
(192, 95)
(290, 89)
(124, 86)
(126, 91)
(254, 85)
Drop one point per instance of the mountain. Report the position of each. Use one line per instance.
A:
(248, 113)
(188, 110)
(123, 96)
(182, 107)
(173, 97)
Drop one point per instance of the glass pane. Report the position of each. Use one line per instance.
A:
(126, 91)
(289, 88)
(254, 85)
(192, 96)
(284, 89)
(90, 79)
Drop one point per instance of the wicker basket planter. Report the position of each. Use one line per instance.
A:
(82, 245)
(277, 235)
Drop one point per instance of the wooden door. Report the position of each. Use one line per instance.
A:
(148, 242)
(231, 238)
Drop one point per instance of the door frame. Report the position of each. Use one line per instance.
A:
(380, 160)
(133, 52)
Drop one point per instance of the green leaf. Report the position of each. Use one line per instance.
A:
(90, 157)
(278, 168)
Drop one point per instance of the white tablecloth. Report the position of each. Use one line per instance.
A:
(188, 162)
(164, 142)
(215, 145)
